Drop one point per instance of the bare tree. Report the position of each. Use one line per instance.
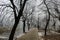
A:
(25, 18)
(48, 17)
(17, 18)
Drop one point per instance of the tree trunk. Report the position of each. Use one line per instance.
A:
(46, 26)
(28, 26)
(38, 27)
(13, 29)
(48, 18)
(23, 26)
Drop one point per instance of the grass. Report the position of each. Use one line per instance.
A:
(3, 29)
(51, 37)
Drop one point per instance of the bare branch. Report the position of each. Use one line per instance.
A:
(7, 5)
(21, 10)
(40, 4)
(31, 12)
(15, 15)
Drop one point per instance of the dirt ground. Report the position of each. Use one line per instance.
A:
(33, 35)
(51, 37)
